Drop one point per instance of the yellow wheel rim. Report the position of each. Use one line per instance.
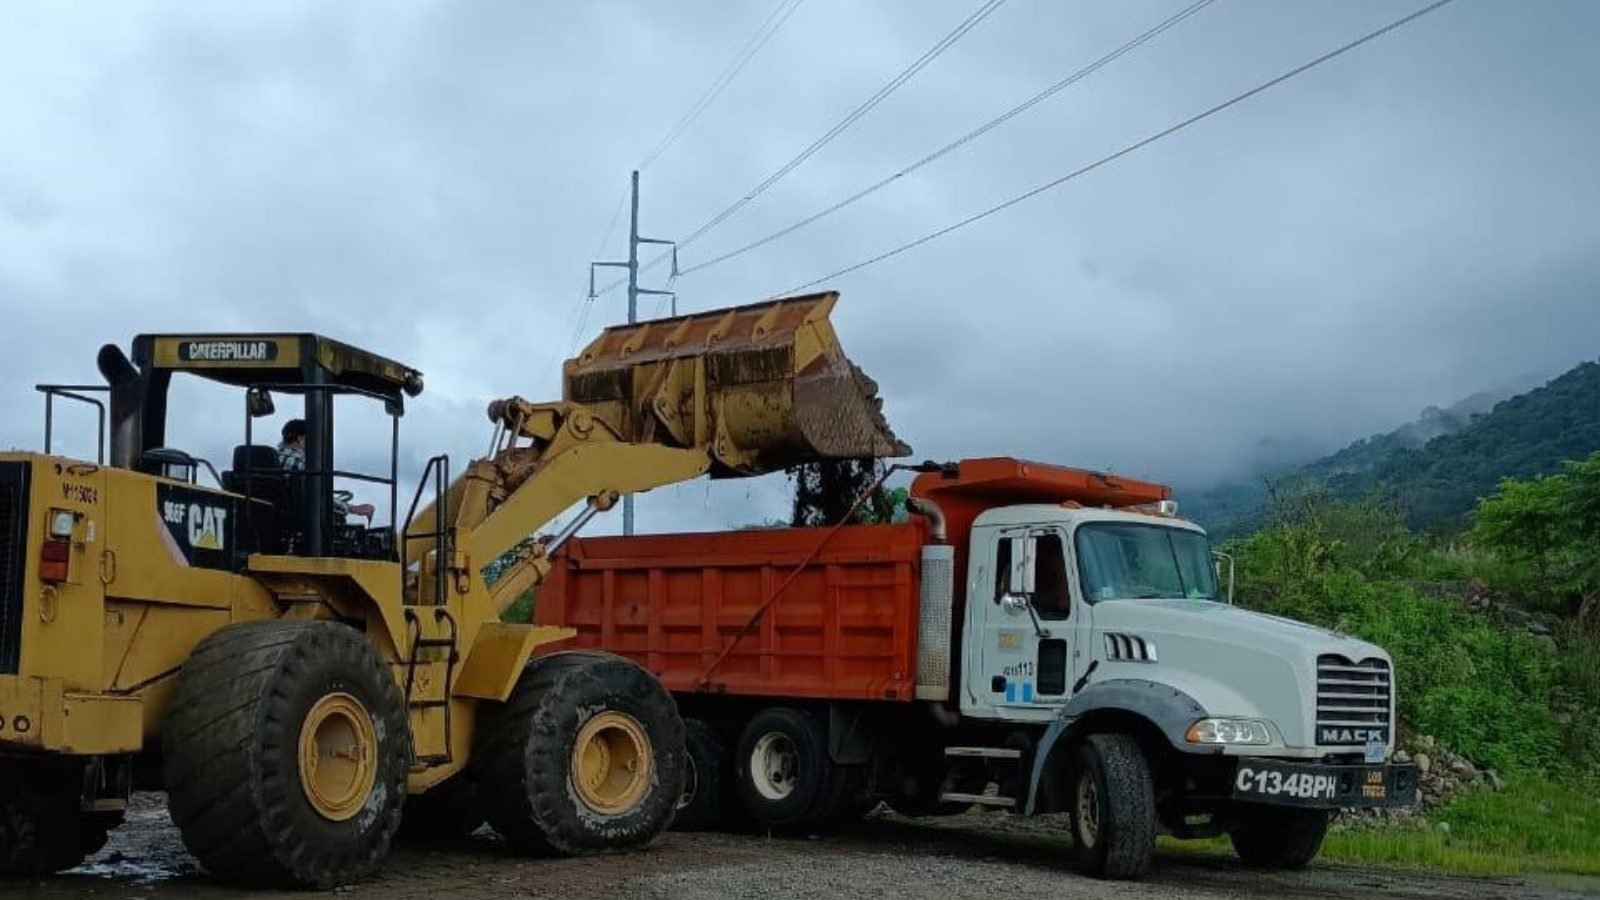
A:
(611, 763)
(338, 749)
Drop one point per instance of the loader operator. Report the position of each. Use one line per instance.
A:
(292, 458)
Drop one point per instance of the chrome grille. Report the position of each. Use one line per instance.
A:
(1354, 701)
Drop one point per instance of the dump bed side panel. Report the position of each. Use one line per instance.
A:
(844, 627)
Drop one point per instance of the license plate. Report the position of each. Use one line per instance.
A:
(1376, 751)
(1270, 781)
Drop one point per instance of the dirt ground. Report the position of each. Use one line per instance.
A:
(987, 857)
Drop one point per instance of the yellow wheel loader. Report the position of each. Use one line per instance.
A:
(301, 682)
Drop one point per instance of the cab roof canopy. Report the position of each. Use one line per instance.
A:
(283, 360)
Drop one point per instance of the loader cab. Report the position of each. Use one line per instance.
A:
(267, 508)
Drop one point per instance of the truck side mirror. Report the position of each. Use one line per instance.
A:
(1023, 554)
(1224, 563)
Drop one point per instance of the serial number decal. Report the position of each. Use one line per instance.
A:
(1020, 670)
(1272, 783)
(80, 493)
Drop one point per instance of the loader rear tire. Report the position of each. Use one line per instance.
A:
(43, 827)
(285, 751)
(587, 756)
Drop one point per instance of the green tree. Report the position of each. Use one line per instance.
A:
(1526, 520)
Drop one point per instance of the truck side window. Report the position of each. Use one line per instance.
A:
(1051, 599)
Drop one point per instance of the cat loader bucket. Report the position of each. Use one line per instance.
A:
(764, 387)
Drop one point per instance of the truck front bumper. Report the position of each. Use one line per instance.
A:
(1318, 786)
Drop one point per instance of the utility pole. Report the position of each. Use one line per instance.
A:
(632, 265)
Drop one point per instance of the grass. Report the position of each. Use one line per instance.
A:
(1533, 827)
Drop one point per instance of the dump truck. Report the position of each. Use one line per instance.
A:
(1035, 638)
(302, 683)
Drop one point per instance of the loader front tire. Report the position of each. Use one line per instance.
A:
(285, 751)
(586, 756)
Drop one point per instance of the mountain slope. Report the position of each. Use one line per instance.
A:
(1530, 434)
(1437, 466)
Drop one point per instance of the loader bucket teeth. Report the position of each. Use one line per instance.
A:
(765, 386)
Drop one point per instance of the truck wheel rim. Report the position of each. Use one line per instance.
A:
(337, 758)
(774, 766)
(611, 763)
(1088, 810)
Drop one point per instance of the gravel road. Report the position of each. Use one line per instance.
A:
(984, 857)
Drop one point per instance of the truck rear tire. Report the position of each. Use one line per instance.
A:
(784, 774)
(43, 827)
(285, 750)
(1113, 807)
(707, 802)
(586, 756)
(1278, 837)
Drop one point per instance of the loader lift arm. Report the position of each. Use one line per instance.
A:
(730, 393)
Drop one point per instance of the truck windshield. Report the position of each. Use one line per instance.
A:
(1125, 560)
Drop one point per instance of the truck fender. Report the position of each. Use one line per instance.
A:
(1169, 709)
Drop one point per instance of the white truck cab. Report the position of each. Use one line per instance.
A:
(1101, 658)
(1059, 596)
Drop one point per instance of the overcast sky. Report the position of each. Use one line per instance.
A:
(1406, 225)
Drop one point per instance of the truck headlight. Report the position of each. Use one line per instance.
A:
(1229, 731)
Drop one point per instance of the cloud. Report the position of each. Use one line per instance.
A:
(1402, 227)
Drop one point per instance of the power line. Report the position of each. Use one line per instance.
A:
(580, 312)
(965, 139)
(854, 116)
(769, 27)
(906, 74)
(1239, 98)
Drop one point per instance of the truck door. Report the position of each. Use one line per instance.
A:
(1022, 620)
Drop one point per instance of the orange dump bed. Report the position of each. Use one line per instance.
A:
(842, 627)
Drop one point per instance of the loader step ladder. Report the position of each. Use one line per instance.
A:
(419, 643)
(438, 472)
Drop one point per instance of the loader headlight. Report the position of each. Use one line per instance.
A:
(1229, 731)
(61, 524)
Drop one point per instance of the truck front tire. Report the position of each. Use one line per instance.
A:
(1113, 808)
(586, 756)
(1278, 837)
(285, 749)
